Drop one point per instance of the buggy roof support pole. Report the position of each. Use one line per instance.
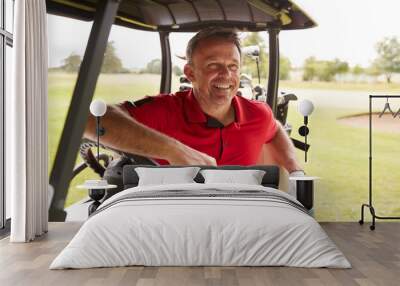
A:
(273, 75)
(166, 64)
(61, 173)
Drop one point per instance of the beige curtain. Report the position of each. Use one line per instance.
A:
(26, 119)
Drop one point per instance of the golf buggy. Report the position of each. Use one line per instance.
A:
(163, 17)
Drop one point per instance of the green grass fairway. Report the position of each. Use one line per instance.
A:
(338, 153)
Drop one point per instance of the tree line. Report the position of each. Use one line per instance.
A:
(387, 62)
(112, 63)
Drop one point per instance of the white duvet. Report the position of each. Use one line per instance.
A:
(183, 231)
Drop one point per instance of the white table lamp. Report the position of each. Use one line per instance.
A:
(98, 108)
(306, 107)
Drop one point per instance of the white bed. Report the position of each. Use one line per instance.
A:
(224, 225)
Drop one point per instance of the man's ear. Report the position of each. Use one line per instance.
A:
(188, 71)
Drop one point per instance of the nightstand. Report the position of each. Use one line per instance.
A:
(305, 190)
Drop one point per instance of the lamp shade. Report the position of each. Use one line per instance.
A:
(98, 108)
(306, 107)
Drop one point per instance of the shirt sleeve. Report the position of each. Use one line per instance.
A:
(151, 111)
(271, 125)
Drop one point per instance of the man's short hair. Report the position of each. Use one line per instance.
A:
(208, 33)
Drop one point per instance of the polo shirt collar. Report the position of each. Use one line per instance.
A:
(195, 114)
(240, 114)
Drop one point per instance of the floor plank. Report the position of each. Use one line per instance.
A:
(374, 255)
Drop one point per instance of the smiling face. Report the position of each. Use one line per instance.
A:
(214, 72)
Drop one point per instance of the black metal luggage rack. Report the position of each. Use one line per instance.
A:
(370, 205)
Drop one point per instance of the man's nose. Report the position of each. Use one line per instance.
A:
(224, 70)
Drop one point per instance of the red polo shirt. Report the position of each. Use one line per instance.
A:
(180, 116)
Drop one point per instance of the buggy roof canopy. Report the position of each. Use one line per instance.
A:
(192, 15)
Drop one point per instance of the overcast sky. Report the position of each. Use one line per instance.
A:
(347, 29)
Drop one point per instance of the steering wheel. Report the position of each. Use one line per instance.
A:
(85, 150)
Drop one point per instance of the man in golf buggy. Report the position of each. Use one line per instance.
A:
(206, 125)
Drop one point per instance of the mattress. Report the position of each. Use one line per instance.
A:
(201, 225)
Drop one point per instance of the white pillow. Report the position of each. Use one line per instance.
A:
(162, 176)
(248, 177)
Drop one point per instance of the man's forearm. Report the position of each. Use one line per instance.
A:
(126, 134)
(282, 151)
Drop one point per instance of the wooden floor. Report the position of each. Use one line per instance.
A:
(375, 256)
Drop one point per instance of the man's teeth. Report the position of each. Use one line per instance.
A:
(221, 86)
